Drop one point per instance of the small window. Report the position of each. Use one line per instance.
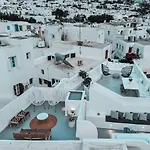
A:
(116, 45)
(73, 55)
(53, 81)
(45, 81)
(130, 31)
(13, 61)
(8, 27)
(66, 56)
(40, 81)
(119, 46)
(108, 32)
(31, 80)
(53, 57)
(42, 71)
(122, 48)
(28, 55)
(20, 28)
(48, 57)
(49, 83)
(28, 27)
(18, 89)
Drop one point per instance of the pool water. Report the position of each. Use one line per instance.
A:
(75, 96)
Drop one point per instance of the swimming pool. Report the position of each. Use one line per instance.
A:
(74, 95)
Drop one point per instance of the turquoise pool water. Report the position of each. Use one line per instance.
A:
(75, 96)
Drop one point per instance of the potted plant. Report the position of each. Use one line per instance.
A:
(82, 74)
(71, 122)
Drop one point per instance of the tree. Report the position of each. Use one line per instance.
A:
(60, 13)
(100, 18)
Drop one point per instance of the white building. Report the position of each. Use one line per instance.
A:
(18, 66)
(13, 29)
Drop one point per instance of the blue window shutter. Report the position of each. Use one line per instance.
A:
(8, 27)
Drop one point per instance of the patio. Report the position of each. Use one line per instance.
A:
(59, 132)
(115, 85)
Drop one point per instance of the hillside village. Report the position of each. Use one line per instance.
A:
(76, 74)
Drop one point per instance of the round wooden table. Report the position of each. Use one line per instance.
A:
(47, 123)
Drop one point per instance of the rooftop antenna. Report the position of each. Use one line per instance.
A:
(79, 27)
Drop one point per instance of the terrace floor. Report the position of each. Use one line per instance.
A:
(106, 133)
(114, 85)
(60, 132)
(111, 83)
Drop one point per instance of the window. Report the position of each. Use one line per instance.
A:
(73, 55)
(28, 27)
(20, 28)
(130, 31)
(67, 55)
(49, 83)
(48, 57)
(137, 51)
(40, 81)
(53, 81)
(42, 71)
(122, 48)
(45, 81)
(108, 32)
(8, 27)
(28, 55)
(31, 80)
(16, 27)
(13, 61)
(116, 45)
(121, 32)
(119, 46)
(18, 89)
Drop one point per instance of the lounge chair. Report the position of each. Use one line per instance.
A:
(105, 70)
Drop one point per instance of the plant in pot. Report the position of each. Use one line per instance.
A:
(87, 81)
(82, 74)
(72, 120)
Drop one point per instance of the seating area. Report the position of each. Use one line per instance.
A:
(127, 92)
(125, 71)
(19, 118)
(33, 134)
(129, 117)
(61, 131)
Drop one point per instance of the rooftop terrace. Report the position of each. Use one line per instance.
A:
(60, 132)
(86, 63)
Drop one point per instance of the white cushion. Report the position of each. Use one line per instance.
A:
(128, 116)
(114, 114)
(143, 117)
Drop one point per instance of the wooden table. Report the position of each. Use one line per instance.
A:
(48, 123)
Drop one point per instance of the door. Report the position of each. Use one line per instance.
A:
(106, 54)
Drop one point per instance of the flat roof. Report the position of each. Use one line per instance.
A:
(74, 63)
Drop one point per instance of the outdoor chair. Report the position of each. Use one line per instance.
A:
(126, 71)
(38, 104)
(23, 114)
(16, 120)
(105, 70)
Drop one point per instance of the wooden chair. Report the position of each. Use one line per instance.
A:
(16, 121)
